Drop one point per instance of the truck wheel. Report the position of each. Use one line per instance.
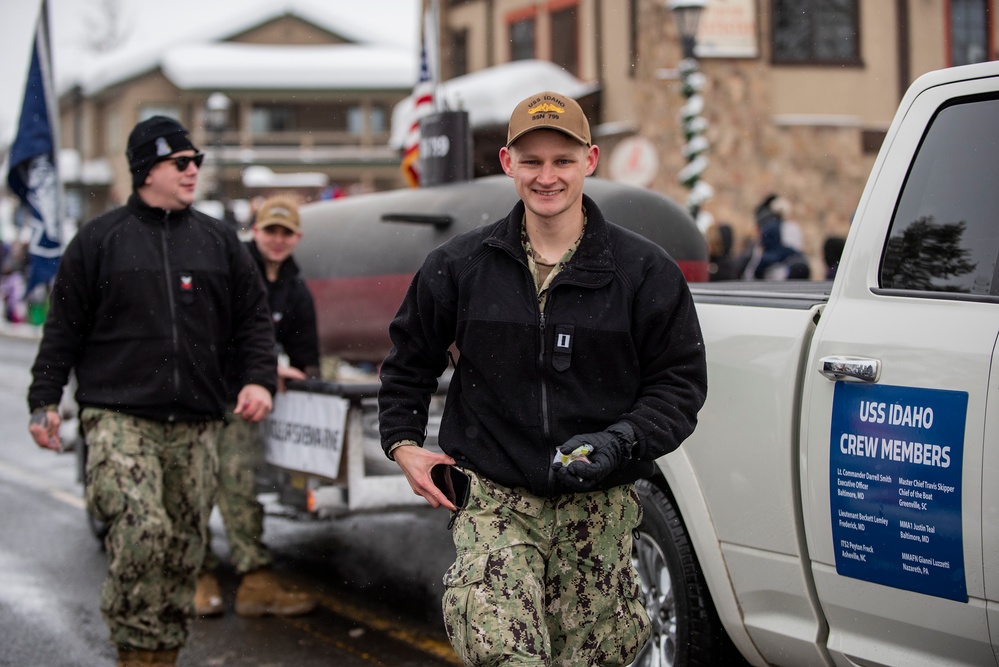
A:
(686, 630)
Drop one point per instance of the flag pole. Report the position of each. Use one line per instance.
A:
(52, 106)
(433, 22)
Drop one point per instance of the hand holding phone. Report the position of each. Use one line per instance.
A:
(452, 482)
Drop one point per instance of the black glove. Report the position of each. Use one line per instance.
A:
(611, 450)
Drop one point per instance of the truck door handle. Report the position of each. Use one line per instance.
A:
(857, 368)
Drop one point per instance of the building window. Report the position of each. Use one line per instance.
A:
(113, 129)
(633, 36)
(271, 118)
(871, 140)
(459, 52)
(147, 111)
(969, 31)
(522, 39)
(565, 39)
(816, 32)
(378, 119)
(374, 115)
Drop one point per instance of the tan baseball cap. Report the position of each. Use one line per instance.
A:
(551, 111)
(278, 210)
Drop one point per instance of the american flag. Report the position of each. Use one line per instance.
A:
(423, 99)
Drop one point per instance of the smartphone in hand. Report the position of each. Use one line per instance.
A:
(452, 482)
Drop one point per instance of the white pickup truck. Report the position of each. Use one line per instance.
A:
(838, 502)
(833, 506)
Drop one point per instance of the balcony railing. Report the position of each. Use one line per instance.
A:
(300, 138)
(299, 155)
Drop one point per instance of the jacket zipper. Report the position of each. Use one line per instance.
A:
(173, 307)
(545, 420)
(546, 425)
(541, 374)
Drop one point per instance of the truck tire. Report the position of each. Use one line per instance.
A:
(686, 630)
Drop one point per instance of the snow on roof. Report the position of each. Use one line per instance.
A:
(352, 21)
(258, 176)
(264, 67)
(490, 95)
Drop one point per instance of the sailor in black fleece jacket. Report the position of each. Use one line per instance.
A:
(276, 232)
(146, 300)
(580, 361)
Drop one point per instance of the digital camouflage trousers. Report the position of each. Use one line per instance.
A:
(240, 454)
(151, 482)
(541, 581)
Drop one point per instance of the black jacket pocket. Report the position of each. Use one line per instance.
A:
(562, 352)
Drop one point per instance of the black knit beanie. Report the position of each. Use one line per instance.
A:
(152, 140)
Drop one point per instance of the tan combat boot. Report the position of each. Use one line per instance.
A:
(261, 593)
(208, 597)
(135, 657)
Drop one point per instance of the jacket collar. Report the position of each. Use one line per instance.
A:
(593, 258)
(147, 213)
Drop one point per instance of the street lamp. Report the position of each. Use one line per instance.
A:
(216, 119)
(687, 15)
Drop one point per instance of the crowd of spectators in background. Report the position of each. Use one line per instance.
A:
(775, 253)
(12, 282)
(19, 306)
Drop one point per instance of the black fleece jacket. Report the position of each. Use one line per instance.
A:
(618, 341)
(294, 315)
(144, 305)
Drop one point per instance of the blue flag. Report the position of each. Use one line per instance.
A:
(33, 176)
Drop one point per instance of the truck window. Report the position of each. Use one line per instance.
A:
(945, 232)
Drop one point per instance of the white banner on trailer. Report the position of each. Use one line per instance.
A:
(305, 432)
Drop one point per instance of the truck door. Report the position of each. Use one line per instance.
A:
(900, 401)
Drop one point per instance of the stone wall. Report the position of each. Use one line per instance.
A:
(820, 169)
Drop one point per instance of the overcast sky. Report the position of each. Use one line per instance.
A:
(148, 24)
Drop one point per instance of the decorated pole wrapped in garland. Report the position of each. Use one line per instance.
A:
(687, 14)
(696, 144)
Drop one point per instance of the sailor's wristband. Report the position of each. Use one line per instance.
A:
(401, 443)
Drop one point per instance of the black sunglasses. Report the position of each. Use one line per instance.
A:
(183, 161)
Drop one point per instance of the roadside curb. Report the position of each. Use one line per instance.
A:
(20, 330)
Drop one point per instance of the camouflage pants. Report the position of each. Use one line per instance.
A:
(544, 581)
(150, 481)
(240, 453)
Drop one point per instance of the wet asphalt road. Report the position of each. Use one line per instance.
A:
(377, 576)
